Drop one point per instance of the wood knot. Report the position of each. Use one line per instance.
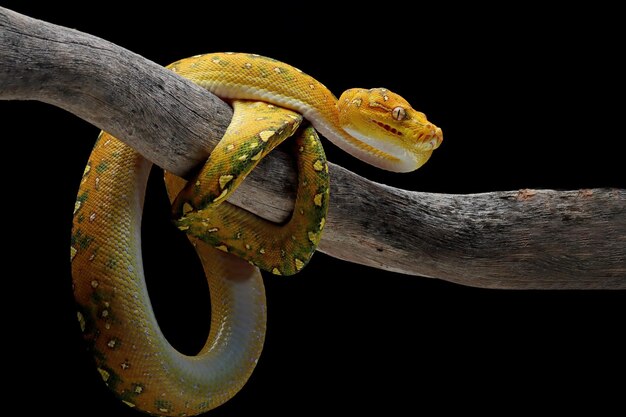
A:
(525, 194)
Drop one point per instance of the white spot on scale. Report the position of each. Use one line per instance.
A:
(221, 196)
(299, 264)
(104, 374)
(81, 321)
(266, 135)
(224, 179)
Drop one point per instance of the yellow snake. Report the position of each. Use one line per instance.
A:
(132, 355)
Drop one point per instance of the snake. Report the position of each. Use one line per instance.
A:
(270, 99)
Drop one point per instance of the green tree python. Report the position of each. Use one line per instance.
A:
(269, 99)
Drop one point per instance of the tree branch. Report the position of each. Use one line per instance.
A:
(515, 239)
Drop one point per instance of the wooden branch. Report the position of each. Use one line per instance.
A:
(516, 239)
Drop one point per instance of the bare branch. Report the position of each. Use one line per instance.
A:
(517, 239)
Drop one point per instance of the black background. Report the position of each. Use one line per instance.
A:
(527, 98)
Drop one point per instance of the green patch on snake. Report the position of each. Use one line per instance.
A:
(100, 311)
(230, 168)
(194, 224)
(102, 166)
(203, 405)
(80, 241)
(111, 263)
(264, 73)
(101, 297)
(284, 72)
(82, 197)
(98, 355)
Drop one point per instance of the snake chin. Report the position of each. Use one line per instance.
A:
(389, 153)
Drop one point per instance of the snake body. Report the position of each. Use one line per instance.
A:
(132, 355)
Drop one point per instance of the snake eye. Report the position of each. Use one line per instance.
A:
(398, 113)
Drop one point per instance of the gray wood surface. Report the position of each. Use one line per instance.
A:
(513, 239)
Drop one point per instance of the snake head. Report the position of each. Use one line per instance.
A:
(387, 122)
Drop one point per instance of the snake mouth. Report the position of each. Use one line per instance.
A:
(432, 139)
(388, 128)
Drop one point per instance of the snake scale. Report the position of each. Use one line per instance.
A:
(269, 99)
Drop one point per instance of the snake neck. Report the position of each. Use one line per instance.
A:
(327, 123)
(324, 118)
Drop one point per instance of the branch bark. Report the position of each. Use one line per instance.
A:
(515, 239)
